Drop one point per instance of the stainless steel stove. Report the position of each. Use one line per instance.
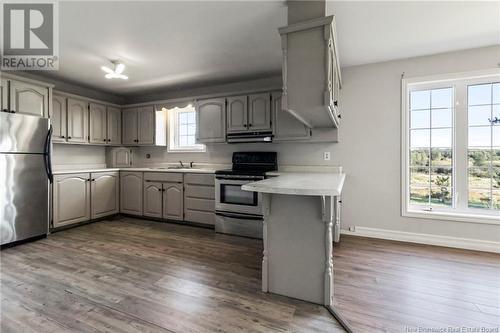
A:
(239, 212)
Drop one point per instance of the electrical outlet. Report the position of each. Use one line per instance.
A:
(326, 155)
(352, 228)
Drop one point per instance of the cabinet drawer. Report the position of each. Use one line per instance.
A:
(199, 217)
(200, 179)
(200, 204)
(173, 177)
(200, 191)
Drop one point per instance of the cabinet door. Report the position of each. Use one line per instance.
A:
(259, 112)
(173, 203)
(114, 126)
(29, 98)
(146, 125)
(97, 130)
(286, 126)
(129, 126)
(237, 114)
(153, 199)
(104, 190)
(78, 121)
(211, 120)
(4, 94)
(58, 118)
(71, 199)
(131, 193)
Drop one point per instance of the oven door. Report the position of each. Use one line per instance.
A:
(230, 197)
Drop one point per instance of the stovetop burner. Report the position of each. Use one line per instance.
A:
(251, 164)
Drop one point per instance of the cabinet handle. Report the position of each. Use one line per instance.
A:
(340, 116)
(62, 136)
(69, 137)
(105, 140)
(336, 103)
(93, 179)
(249, 125)
(87, 180)
(159, 189)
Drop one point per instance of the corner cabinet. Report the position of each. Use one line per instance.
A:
(138, 126)
(131, 193)
(105, 194)
(311, 72)
(211, 120)
(71, 199)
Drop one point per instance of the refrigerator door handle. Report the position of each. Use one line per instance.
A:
(47, 155)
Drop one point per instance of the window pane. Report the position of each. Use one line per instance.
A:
(479, 198)
(496, 200)
(419, 177)
(496, 93)
(190, 140)
(441, 196)
(192, 117)
(420, 119)
(182, 118)
(495, 158)
(496, 178)
(479, 157)
(420, 138)
(479, 178)
(191, 129)
(496, 111)
(183, 141)
(441, 157)
(419, 157)
(441, 137)
(496, 136)
(480, 136)
(480, 94)
(441, 98)
(420, 100)
(479, 115)
(441, 118)
(441, 177)
(419, 195)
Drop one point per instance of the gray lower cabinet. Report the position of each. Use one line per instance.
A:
(285, 126)
(71, 199)
(58, 118)
(105, 194)
(199, 198)
(131, 192)
(211, 120)
(164, 195)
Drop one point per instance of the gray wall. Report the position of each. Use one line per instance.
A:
(369, 148)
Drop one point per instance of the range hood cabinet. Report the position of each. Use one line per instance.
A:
(311, 72)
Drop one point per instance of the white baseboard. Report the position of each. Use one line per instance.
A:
(455, 242)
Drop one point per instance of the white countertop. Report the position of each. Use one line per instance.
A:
(300, 183)
(87, 170)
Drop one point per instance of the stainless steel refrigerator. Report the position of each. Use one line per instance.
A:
(25, 173)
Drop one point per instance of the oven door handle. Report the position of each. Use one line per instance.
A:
(238, 216)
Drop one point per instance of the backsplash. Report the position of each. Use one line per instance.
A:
(66, 156)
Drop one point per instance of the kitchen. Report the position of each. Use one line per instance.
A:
(207, 201)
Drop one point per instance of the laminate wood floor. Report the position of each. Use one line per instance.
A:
(131, 275)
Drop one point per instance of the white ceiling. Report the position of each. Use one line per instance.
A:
(171, 44)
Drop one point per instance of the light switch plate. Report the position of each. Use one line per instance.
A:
(326, 155)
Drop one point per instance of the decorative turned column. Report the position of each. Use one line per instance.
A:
(327, 205)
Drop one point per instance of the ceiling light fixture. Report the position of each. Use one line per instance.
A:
(116, 72)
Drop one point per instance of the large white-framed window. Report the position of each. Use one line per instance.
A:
(182, 130)
(451, 147)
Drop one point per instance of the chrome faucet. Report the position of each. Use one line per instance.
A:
(191, 165)
(182, 165)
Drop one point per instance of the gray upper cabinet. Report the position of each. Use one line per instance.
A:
(285, 126)
(58, 118)
(4, 94)
(311, 72)
(259, 112)
(98, 128)
(211, 120)
(129, 126)
(28, 98)
(77, 121)
(237, 114)
(114, 124)
(138, 126)
(146, 123)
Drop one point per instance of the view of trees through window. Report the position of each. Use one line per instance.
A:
(431, 143)
(484, 146)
